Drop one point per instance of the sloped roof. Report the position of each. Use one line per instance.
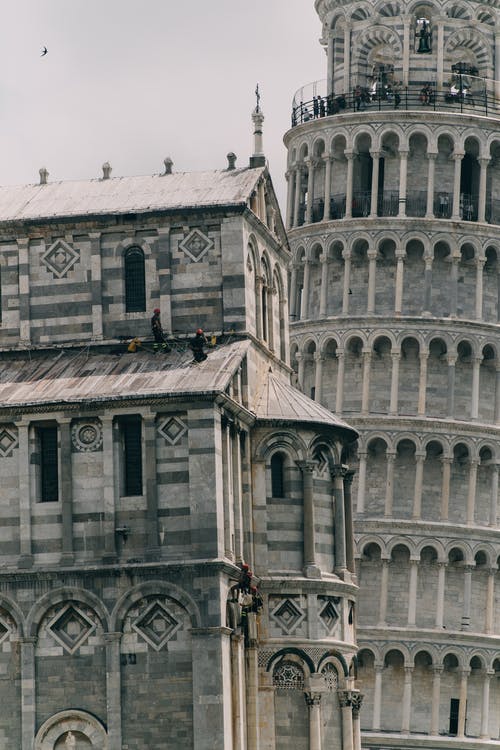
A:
(279, 401)
(83, 377)
(121, 195)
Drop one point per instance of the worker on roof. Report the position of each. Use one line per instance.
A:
(196, 344)
(157, 330)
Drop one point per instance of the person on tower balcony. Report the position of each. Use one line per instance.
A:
(157, 331)
(196, 344)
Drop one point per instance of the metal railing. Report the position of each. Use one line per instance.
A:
(388, 205)
(477, 101)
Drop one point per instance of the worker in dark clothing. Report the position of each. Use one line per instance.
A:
(160, 342)
(196, 344)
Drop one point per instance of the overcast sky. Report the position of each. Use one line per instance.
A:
(133, 81)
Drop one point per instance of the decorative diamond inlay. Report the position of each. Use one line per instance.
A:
(196, 244)
(60, 258)
(172, 430)
(8, 441)
(288, 615)
(71, 627)
(329, 615)
(156, 625)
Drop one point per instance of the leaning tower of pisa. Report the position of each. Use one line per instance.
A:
(393, 212)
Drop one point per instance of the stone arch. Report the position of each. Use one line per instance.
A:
(60, 595)
(370, 44)
(152, 588)
(476, 45)
(295, 655)
(434, 544)
(458, 10)
(388, 9)
(401, 541)
(15, 612)
(286, 441)
(71, 720)
(361, 13)
(401, 648)
(337, 659)
(328, 451)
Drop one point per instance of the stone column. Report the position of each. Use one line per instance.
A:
(451, 385)
(310, 190)
(471, 493)
(476, 370)
(25, 437)
(252, 698)
(346, 711)
(113, 690)
(227, 489)
(330, 63)
(356, 702)
(360, 505)
(313, 702)
(298, 183)
(237, 496)
(406, 48)
(485, 707)
(349, 155)
(440, 595)
(311, 569)
(497, 62)
(384, 588)
(377, 696)
(339, 401)
(403, 176)
(462, 708)
(396, 358)
(455, 259)
(497, 395)
(372, 273)
(24, 291)
(259, 322)
(375, 178)
(110, 463)
(490, 602)
(211, 668)
(299, 356)
(412, 593)
(318, 377)
(289, 198)
(456, 186)
(164, 270)
(419, 479)
(481, 213)
(237, 690)
(323, 296)
(389, 485)
(349, 522)
(479, 287)
(28, 692)
(293, 291)
(405, 722)
(304, 308)
(437, 670)
(431, 176)
(347, 59)
(440, 22)
(340, 557)
(445, 488)
(398, 299)
(427, 285)
(465, 625)
(66, 482)
(422, 383)
(96, 275)
(150, 475)
(365, 396)
(328, 186)
(346, 254)
(494, 495)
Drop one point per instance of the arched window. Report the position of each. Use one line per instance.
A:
(135, 281)
(288, 676)
(277, 475)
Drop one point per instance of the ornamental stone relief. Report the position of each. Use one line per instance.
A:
(196, 245)
(8, 440)
(86, 436)
(71, 627)
(60, 258)
(172, 429)
(152, 623)
(288, 615)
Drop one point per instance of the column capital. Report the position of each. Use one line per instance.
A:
(307, 467)
(403, 153)
(390, 455)
(480, 262)
(318, 357)
(432, 155)
(420, 456)
(323, 259)
(375, 154)
(423, 356)
(484, 161)
(464, 671)
(327, 157)
(346, 254)
(408, 670)
(372, 254)
(349, 154)
(457, 156)
(400, 255)
(345, 698)
(112, 637)
(312, 699)
(339, 470)
(451, 359)
(437, 668)
(395, 356)
(340, 353)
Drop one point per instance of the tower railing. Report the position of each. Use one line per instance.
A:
(476, 99)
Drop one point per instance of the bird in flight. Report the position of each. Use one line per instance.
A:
(44, 52)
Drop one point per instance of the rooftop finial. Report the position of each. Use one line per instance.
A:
(258, 158)
(168, 165)
(231, 161)
(106, 170)
(44, 175)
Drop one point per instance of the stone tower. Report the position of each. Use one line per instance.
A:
(393, 213)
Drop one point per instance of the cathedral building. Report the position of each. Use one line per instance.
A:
(393, 214)
(176, 536)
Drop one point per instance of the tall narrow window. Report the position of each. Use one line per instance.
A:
(277, 478)
(49, 470)
(131, 434)
(454, 708)
(135, 280)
